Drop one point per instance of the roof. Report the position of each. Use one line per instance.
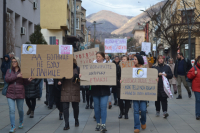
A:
(83, 8)
(79, 0)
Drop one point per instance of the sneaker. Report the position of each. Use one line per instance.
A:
(12, 130)
(98, 127)
(157, 113)
(165, 115)
(21, 125)
(110, 106)
(103, 128)
(189, 94)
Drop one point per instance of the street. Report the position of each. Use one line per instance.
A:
(181, 119)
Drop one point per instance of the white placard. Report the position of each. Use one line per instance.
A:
(139, 72)
(186, 46)
(29, 49)
(115, 45)
(154, 47)
(146, 47)
(65, 49)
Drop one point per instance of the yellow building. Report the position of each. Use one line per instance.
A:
(55, 20)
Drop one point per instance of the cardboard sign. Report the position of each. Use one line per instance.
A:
(146, 47)
(127, 64)
(47, 63)
(85, 56)
(139, 88)
(115, 45)
(98, 74)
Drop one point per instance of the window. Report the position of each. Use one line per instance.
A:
(77, 23)
(82, 28)
(52, 40)
(190, 16)
(185, 51)
(77, 7)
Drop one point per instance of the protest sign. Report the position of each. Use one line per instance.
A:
(146, 47)
(139, 88)
(85, 56)
(46, 63)
(115, 45)
(98, 74)
(127, 64)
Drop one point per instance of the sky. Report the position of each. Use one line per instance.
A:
(122, 7)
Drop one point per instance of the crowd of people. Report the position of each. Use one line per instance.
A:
(62, 92)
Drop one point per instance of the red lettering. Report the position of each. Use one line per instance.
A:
(87, 55)
(83, 55)
(80, 56)
(76, 56)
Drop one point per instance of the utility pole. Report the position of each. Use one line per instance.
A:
(4, 27)
(94, 31)
(74, 17)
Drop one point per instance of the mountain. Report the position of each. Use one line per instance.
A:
(129, 26)
(110, 20)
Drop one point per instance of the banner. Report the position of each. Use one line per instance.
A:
(98, 74)
(139, 87)
(46, 63)
(146, 47)
(85, 56)
(115, 45)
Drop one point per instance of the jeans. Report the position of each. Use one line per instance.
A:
(51, 96)
(197, 103)
(163, 101)
(31, 103)
(41, 87)
(139, 106)
(75, 106)
(11, 104)
(100, 108)
(182, 79)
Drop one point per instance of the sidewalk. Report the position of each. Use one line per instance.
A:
(181, 119)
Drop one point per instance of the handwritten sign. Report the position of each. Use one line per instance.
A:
(146, 47)
(65, 49)
(98, 74)
(115, 45)
(85, 56)
(127, 64)
(47, 63)
(139, 88)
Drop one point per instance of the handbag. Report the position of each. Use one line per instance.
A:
(5, 88)
(166, 87)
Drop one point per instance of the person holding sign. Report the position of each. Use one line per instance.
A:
(163, 70)
(139, 105)
(100, 95)
(71, 93)
(16, 92)
(123, 107)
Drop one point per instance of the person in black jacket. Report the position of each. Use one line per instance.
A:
(100, 95)
(182, 66)
(32, 91)
(163, 70)
(57, 97)
(5, 65)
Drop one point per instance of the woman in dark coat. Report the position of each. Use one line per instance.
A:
(70, 92)
(32, 91)
(164, 70)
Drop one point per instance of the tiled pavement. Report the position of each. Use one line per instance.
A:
(181, 119)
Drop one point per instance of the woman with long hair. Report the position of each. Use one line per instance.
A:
(71, 93)
(163, 70)
(172, 81)
(16, 92)
(121, 102)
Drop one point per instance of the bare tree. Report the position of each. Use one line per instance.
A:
(10, 39)
(170, 22)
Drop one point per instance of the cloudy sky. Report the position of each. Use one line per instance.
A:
(123, 7)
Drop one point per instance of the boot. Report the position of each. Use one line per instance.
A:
(120, 115)
(87, 106)
(115, 103)
(46, 103)
(91, 107)
(32, 114)
(76, 123)
(60, 116)
(136, 131)
(28, 112)
(189, 94)
(126, 116)
(66, 127)
(179, 97)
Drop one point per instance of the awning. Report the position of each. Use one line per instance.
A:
(71, 39)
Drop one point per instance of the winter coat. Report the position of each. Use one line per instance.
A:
(118, 74)
(16, 85)
(5, 65)
(162, 68)
(100, 90)
(173, 80)
(195, 78)
(33, 90)
(57, 89)
(70, 92)
(187, 67)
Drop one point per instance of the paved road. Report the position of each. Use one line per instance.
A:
(181, 119)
